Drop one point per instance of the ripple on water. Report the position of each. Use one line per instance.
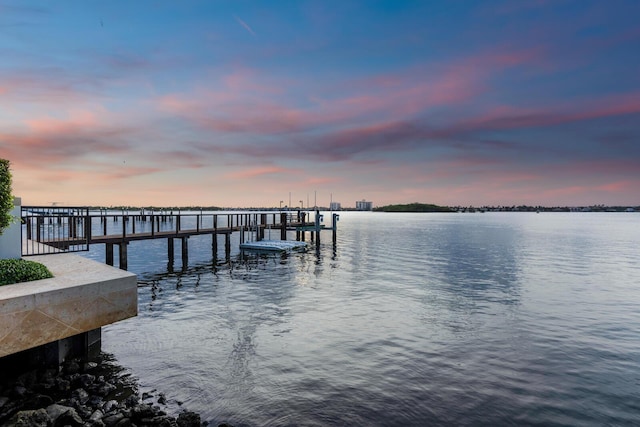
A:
(495, 319)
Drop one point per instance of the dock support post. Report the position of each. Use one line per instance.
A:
(263, 225)
(185, 251)
(87, 228)
(170, 249)
(109, 254)
(334, 225)
(123, 255)
(283, 226)
(227, 246)
(214, 245)
(318, 218)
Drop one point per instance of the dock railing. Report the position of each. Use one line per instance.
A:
(54, 229)
(72, 229)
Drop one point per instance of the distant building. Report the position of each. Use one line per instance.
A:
(363, 205)
(335, 206)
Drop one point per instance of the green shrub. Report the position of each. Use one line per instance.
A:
(20, 270)
(6, 199)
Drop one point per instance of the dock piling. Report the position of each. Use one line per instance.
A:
(170, 249)
(123, 255)
(283, 223)
(185, 252)
(109, 254)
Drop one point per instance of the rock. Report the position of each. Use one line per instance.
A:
(110, 406)
(95, 402)
(55, 410)
(64, 416)
(189, 419)
(96, 415)
(84, 411)
(85, 380)
(81, 395)
(38, 401)
(88, 366)
(105, 389)
(30, 418)
(72, 367)
(20, 391)
(27, 379)
(125, 422)
(72, 397)
(8, 409)
(131, 401)
(63, 385)
(113, 419)
(142, 411)
(160, 421)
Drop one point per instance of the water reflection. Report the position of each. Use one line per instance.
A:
(479, 262)
(409, 319)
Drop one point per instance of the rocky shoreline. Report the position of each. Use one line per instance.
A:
(85, 394)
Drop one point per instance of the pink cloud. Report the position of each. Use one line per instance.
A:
(48, 141)
(32, 88)
(606, 167)
(260, 172)
(47, 125)
(619, 186)
(246, 101)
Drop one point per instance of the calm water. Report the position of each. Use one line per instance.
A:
(413, 319)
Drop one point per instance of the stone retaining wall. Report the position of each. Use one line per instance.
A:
(82, 296)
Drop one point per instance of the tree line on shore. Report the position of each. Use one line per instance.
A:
(424, 207)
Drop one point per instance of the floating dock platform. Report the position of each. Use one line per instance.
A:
(273, 245)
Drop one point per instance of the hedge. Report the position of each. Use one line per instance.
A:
(6, 198)
(20, 270)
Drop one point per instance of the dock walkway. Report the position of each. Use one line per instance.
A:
(75, 229)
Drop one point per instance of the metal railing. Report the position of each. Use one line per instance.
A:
(49, 229)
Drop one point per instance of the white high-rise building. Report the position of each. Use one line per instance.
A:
(363, 205)
(335, 206)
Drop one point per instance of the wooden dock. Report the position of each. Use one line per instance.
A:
(75, 229)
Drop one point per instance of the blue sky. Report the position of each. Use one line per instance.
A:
(239, 103)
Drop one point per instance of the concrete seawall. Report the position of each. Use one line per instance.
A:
(66, 312)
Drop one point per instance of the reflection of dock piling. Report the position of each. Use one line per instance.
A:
(75, 229)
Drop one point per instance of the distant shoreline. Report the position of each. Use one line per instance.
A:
(409, 208)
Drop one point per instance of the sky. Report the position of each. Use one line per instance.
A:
(274, 103)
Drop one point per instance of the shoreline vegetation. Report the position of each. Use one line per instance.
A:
(413, 207)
